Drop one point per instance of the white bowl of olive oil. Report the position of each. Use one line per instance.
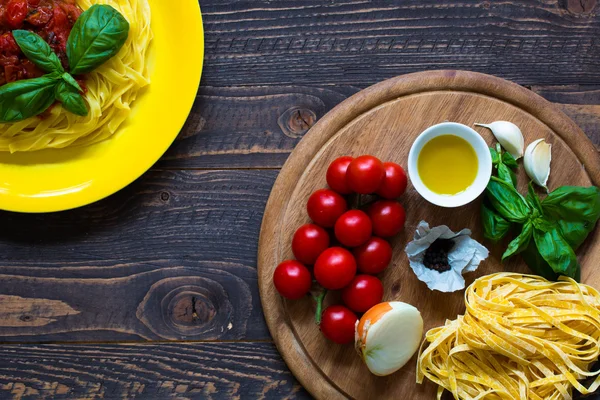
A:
(450, 164)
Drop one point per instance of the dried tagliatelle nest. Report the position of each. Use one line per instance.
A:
(521, 337)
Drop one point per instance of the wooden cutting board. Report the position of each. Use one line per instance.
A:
(384, 120)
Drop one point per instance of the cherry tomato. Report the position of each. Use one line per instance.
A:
(336, 175)
(394, 182)
(16, 11)
(362, 293)
(388, 217)
(335, 268)
(309, 242)
(8, 45)
(365, 174)
(353, 228)
(325, 207)
(292, 279)
(337, 324)
(374, 256)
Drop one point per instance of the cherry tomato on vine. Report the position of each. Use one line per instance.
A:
(365, 174)
(16, 12)
(394, 181)
(337, 324)
(309, 242)
(353, 228)
(388, 217)
(325, 207)
(362, 293)
(335, 268)
(374, 256)
(292, 279)
(336, 175)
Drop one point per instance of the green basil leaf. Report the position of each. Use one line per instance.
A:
(495, 156)
(575, 210)
(509, 160)
(533, 200)
(37, 51)
(26, 98)
(536, 262)
(98, 35)
(507, 175)
(574, 203)
(71, 81)
(520, 243)
(555, 250)
(494, 226)
(507, 201)
(71, 99)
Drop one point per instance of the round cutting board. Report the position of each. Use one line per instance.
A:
(384, 120)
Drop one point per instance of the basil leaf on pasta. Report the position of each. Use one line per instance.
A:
(98, 34)
(23, 99)
(71, 99)
(37, 51)
(71, 81)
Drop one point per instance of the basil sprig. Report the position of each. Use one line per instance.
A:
(98, 35)
(550, 230)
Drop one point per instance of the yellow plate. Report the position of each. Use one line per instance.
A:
(54, 180)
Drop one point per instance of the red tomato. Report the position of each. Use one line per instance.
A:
(394, 182)
(335, 268)
(365, 174)
(8, 45)
(374, 256)
(292, 279)
(337, 324)
(353, 228)
(16, 11)
(336, 175)
(309, 242)
(388, 217)
(325, 207)
(362, 293)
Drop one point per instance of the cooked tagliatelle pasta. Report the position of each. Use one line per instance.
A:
(111, 91)
(521, 337)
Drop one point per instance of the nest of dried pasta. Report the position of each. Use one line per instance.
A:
(522, 337)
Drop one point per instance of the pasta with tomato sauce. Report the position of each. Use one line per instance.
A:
(109, 91)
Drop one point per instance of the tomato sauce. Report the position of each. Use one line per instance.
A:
(51, 19)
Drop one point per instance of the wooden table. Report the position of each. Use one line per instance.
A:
(153, 292)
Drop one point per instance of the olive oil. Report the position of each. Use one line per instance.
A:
(447, 165)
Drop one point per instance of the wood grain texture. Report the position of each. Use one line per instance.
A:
(171, 257)
(258, 127)
(251, 370)
(384, 121)
(353, 42)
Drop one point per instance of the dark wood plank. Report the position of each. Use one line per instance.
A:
(251, 370)
(355, 42)
(171, 257)
(258, 127)
(249, 126)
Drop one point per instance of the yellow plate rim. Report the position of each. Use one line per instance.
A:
(71, 199)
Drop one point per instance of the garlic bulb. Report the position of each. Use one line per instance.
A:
(388, 335)
(537, 162)
(509, 135)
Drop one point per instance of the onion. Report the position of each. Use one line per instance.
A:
(388, 335)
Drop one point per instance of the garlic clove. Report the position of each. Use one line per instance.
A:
(509, 135)
(537, 162)
(388, 335)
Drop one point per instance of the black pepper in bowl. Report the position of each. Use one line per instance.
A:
(436, 256)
